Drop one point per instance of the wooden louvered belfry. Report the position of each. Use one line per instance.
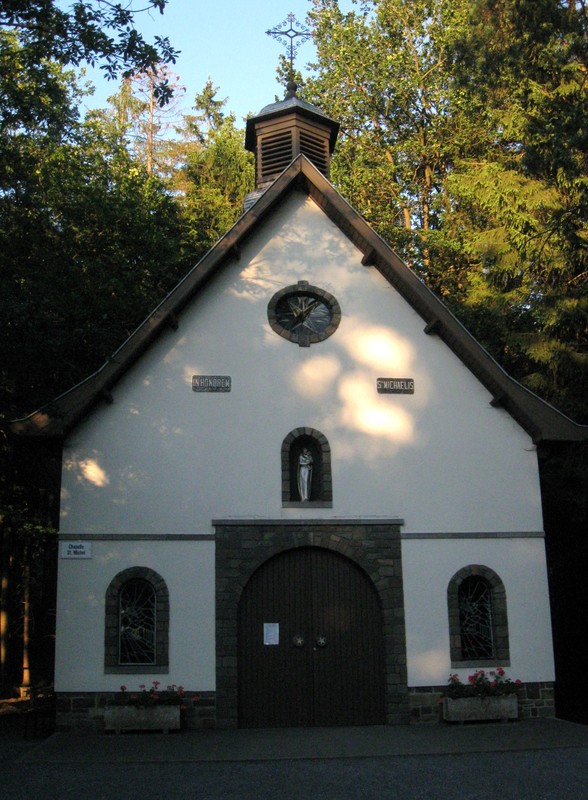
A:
(284, 130)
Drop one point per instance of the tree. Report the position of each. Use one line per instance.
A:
(89, 243)
(382, 72)
(92, 31)
(146, 124)
(463, 143)
(527, 199)
(215, 175)
(88, 222)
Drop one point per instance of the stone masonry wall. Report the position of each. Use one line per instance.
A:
(242, 546)
(84, 711)
(535, 700)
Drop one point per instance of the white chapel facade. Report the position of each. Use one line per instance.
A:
(300, 481)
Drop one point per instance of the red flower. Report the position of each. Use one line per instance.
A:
(123, 688)
(518, 682)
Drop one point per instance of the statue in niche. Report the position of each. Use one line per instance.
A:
(304, 474)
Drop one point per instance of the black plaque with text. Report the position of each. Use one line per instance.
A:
(211, 383)
(395, 385)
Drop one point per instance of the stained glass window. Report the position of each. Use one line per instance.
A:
(475, 618)
(137, 622)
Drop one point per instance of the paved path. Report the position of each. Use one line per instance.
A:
(546, 760)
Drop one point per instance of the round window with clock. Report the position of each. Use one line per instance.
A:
(304, 314)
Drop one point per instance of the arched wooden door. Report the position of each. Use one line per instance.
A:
(310, 643)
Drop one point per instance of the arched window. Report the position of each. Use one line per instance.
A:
(478, 622)
(136, 623)
(306, 469)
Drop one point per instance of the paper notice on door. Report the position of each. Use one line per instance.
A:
(271, 633)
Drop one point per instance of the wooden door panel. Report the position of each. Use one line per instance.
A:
(348, 670)
(337, 676)
(275, 680)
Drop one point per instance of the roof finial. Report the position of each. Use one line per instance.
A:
(287, 35)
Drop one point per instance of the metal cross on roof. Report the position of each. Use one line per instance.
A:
(291, 38)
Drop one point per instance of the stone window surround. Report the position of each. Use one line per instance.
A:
(499, 618)
(326, 498)
(301, 337)
(112, 620)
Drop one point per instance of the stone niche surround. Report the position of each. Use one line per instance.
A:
(244, 545)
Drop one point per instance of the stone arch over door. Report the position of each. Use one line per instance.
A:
(243, 546)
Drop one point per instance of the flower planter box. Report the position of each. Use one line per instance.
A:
(469, 709)
(150, 718)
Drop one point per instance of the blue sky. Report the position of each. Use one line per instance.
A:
(226, 41)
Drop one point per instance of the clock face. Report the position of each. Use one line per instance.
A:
(304, 314)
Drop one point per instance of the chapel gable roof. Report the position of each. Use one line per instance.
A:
(541, 421)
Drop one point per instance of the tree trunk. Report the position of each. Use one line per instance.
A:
(25, 685)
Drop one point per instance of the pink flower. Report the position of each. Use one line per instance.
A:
(518, 682)
(156, 684)
(500, 672)
(142, 686)
(123, 688)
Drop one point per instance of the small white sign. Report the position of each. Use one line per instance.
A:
(271, 633)
(75, 549)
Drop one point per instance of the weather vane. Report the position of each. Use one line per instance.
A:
(291, 38)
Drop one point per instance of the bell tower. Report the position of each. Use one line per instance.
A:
(284, 130)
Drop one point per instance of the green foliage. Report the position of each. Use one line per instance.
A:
(88, 223)
(89, 243)
(145, 125)
(464, 143)
(494, 683)
(209, 114)
(91, 31)
(217, 173)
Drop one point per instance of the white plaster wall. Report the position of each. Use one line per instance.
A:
(429, 565)
(188, 570)
(162, 458)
